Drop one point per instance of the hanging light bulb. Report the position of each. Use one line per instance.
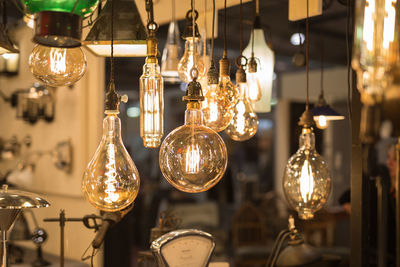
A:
(306, 181)
(172, 53)
(57, 66)
(151, 91)
(260, 81)
(191, 56)
(221, 95)
(193, 157)
(111, 180)
(244, 124)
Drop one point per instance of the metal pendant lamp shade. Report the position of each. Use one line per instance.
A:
(129, 31)
(323, 109)
(6, 46)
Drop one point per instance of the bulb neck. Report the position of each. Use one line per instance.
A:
(307, 139)
(151, 49)
(111, 126)
(190, 45)
(242, 90)
(193, 114)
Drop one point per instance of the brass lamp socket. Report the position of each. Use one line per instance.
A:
(224, 67)
(151, 42)
(252, 65)
(240, 75)
(307, 119)
(112, 99)
(194, 92)
(212, 74)
(321, 101)
(188, 32)
(58, 29)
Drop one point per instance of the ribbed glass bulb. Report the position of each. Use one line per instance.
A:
(111, 181)
(186, 63)
(151, 105)
(172, 54)
(244, 124)
(57, 66)
(193, 157)
(219, 102)
(306, 181)
(254, 87)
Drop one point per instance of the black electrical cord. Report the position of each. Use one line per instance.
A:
(212, 34)
(307, 59)
(225, 45)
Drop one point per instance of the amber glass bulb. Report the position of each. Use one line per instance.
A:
(193, 157)
(254, 87)
(57, 66)
(186, 63)
(111, 180)
(219, 103)
(322, 122)
(151, 105)
(244, 124)
(307, 182)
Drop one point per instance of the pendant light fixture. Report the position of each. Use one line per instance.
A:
(244, 123)
(129, 35)
(322, 112)
(260, 69)
(221, 95)
(151, 89)
(374, 58)
(6, 46)
(111, 180)
(306, 181)
(191, 56)
(57, 59)
(193, 157)
(172, 52)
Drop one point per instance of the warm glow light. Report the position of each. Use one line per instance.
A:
(389, 23)
(369, 25)
(57, 60)
(111, 174)
(254, 92)
(186, 63)
(193, 159)
(306, 181)
(322, 122)
(120, 50)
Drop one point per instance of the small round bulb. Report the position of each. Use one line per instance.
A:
(57, 66)
(193, 157)
(321, 122)
(306, 181)
(111, 180)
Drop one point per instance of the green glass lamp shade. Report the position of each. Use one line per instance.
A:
(82, 8)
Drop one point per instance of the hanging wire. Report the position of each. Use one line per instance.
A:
(205, 33)
(241, 28)
(112, 43)
(307, 59)
(225, 46)
(212, 34)
(322, 61)
(194, 71)
(252, 36)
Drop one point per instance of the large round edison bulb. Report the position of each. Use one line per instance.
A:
(57, 66)
(307, 182)
(193, 157)
(111, 180)
(186, 63)
(219, 103)
(244, 124)
(254, 87)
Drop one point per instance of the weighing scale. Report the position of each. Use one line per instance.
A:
(183, 248)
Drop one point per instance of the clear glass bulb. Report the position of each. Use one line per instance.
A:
(322, 122)
(57, 66)
(172, 54)
(219, 102)
(254, 91)
(307, 182)
(186, 63)
(375, 52)
(151, 105)
(193, 157)
(244, 124)
(111, 181)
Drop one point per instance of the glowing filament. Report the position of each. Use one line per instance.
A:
(369, 25)
(111, 175)
(240, 119)
(151, 112)
(306, 182)
(389, 23)
(57, 60)
(193, 159)
(322, 122)
(254, 91)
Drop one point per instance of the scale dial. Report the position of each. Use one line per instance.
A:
(184, 248)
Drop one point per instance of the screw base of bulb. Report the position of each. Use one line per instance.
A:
(307, 119)
(240, 75)
(58, 29)
(224, 67)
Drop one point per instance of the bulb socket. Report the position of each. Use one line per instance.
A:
(224, 66)
(240, 75)
(112, 99)
(194, 93)
(321, 101)
(188, 32)
(58, 29)
(252, 65)
(212, 74)
(152, 51)
(307, 119)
